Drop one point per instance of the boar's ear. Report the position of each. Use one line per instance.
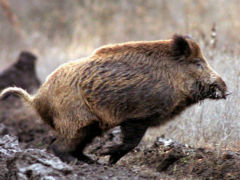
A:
(180, 46)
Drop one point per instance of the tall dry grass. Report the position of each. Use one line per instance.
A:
(58, 31)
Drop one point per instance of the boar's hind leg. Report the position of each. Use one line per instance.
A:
(89, 133)
(68, 149)
(132, 133)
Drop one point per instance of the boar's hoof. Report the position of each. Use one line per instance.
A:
(84, 158)
(116, 152)
(64, 156)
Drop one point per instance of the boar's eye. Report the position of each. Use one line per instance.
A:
(199, 66)
(198, 63)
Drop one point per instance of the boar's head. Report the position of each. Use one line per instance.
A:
(198, 80)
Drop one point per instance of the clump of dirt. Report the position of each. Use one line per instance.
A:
(178, 160)
(18, 163)
(30, 163)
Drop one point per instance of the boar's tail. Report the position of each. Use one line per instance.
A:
(17, 91)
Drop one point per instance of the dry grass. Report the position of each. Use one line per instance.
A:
(58, 32)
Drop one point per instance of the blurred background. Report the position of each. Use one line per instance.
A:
(62, 30)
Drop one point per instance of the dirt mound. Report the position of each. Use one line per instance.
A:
(21, 74)
(18, 163)
(178, 160)
(30, 163)
(166, 158)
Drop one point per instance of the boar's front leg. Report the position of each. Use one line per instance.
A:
(132, 133)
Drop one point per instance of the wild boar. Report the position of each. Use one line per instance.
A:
(135, 85)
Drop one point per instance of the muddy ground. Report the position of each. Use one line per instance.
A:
(24, 139)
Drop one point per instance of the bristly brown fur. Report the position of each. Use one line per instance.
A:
(135, 85)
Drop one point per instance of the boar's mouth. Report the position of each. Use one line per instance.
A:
(217, 91)
(213, 91)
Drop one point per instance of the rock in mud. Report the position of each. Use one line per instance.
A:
(17, 163)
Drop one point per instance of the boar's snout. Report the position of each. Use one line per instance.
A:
(218, 89)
